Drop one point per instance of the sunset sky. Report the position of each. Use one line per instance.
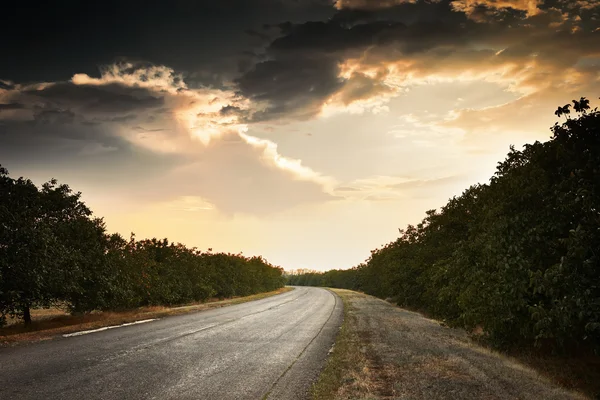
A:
(304, 131)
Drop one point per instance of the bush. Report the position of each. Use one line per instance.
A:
(518, 257)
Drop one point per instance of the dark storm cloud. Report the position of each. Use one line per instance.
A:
(109, 98)
(55, 40)
(281, 54)
(75, 136)
(78, 154)
(289, 88)
(64, 120)
(53, 116)
(301, 67)
(124, 118)
(11, 106)
(6, 85)
(52, 136)
(360, 87)
(230, 110)
(369, 4)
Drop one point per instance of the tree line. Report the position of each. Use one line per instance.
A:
(518, 258)
(53, 251)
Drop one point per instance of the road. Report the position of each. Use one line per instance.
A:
(271, 348)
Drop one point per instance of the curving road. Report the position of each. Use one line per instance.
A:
(271, 348)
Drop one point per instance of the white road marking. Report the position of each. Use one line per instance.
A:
(108, 327)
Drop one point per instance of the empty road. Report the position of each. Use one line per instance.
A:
(271, 348)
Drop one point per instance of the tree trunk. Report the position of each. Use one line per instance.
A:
(27, 315)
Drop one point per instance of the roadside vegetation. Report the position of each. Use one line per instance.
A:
(386, 352)
(515, 261)
(54, 252)
(349, 371)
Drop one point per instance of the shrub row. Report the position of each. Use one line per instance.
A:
(53, 251)
(518, 257)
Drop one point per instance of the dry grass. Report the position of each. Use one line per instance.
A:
(351, 371)
(384, 352)
(580, 373)
(49, 323)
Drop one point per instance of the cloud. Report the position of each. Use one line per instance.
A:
(529, 116)
(271, 156)
(11, 106)
(480, 9)
(93, 149)
(358, 60)
(360, 93)
(5, 85)
(150, 107)
(132, 108)
(242, 174)
(93, 99)
(203, 39)
(302, 70)
(369, 4)
(387, 188)
(369, 56)
(288, 87)
(153, 77)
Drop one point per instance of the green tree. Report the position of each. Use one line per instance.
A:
(49, 244)
(518, 257)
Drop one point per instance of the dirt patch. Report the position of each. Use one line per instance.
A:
(412, 357)
(51, 323)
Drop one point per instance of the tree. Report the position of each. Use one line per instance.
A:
(49, 244)
(518, 257)
(24, 242)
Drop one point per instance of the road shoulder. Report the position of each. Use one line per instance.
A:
(385, 352)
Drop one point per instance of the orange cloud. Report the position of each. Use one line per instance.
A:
(469, 7)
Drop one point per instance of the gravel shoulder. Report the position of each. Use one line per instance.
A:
(400, 354)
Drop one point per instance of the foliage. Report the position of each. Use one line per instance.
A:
(48, 243)
(518, 257)
(53, 251)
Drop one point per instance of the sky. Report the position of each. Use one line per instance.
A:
(307, 132)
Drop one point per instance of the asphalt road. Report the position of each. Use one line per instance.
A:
(272, 348)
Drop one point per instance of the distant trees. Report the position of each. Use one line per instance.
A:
(53, 251)
(518, 257)
(333, 278)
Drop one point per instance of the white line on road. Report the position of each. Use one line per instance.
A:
(108, 327)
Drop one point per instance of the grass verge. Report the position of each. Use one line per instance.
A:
(580, 373)
(48, 328)
(353, 371)
(349, 372)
